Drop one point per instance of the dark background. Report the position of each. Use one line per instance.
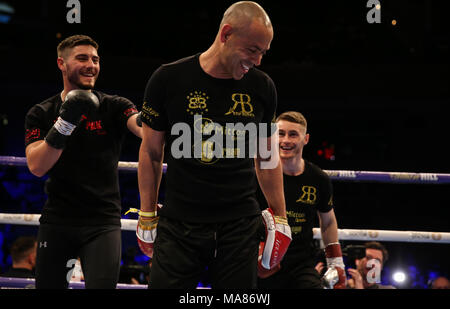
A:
(375, 97)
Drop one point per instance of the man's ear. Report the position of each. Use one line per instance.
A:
(306, 138)
(225, 32)
(60, 62)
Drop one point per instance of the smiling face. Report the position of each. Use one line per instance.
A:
(244, 48)
(80, 66)
(292, 139)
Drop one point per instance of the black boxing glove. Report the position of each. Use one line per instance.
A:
(77, 103)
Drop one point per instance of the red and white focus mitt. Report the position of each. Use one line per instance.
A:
(278, 238)
(334, 277)
(262, 272)
(146, 229)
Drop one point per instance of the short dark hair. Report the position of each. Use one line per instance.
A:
(75, 40)
(22, 247)
(378, 246)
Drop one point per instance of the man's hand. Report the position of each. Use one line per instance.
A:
(146, 232)
(335, 276)
(357, 278)
(146, 229)
(76, 103)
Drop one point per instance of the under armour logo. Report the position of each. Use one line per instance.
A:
(43, 244)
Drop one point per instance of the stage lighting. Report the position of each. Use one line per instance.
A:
(399, 277)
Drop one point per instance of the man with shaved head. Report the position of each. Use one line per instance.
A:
(211, 219)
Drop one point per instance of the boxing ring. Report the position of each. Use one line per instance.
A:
(435, 237)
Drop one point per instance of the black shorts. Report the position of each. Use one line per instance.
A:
(98, 247)
(293, 276)
(227, 251)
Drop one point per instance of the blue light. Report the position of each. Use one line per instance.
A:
(4, 19)
(142, 259)
(433, 275)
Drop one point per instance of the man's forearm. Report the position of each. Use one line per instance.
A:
(329, 232)
(149, 179)
(134, 127)
(41, 157)
(271, 183)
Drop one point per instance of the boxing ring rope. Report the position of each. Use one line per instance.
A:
(21, 161)
(337, 175)
(344, 234)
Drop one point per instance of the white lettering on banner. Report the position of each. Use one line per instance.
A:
(347, 174)
(429, 177)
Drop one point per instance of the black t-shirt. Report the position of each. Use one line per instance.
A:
(305, 194)
(18, 273)
(83, 186)
(208, 188)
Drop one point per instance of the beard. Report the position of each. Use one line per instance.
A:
(74, 78)
(84, 86)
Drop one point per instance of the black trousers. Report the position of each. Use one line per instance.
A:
(228, 251)
(98, 247)
(298, 275)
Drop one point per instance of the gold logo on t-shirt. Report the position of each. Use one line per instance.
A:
(148, 112)
(197, 103)
(241, 100)
(330, 202)
(308, 195)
